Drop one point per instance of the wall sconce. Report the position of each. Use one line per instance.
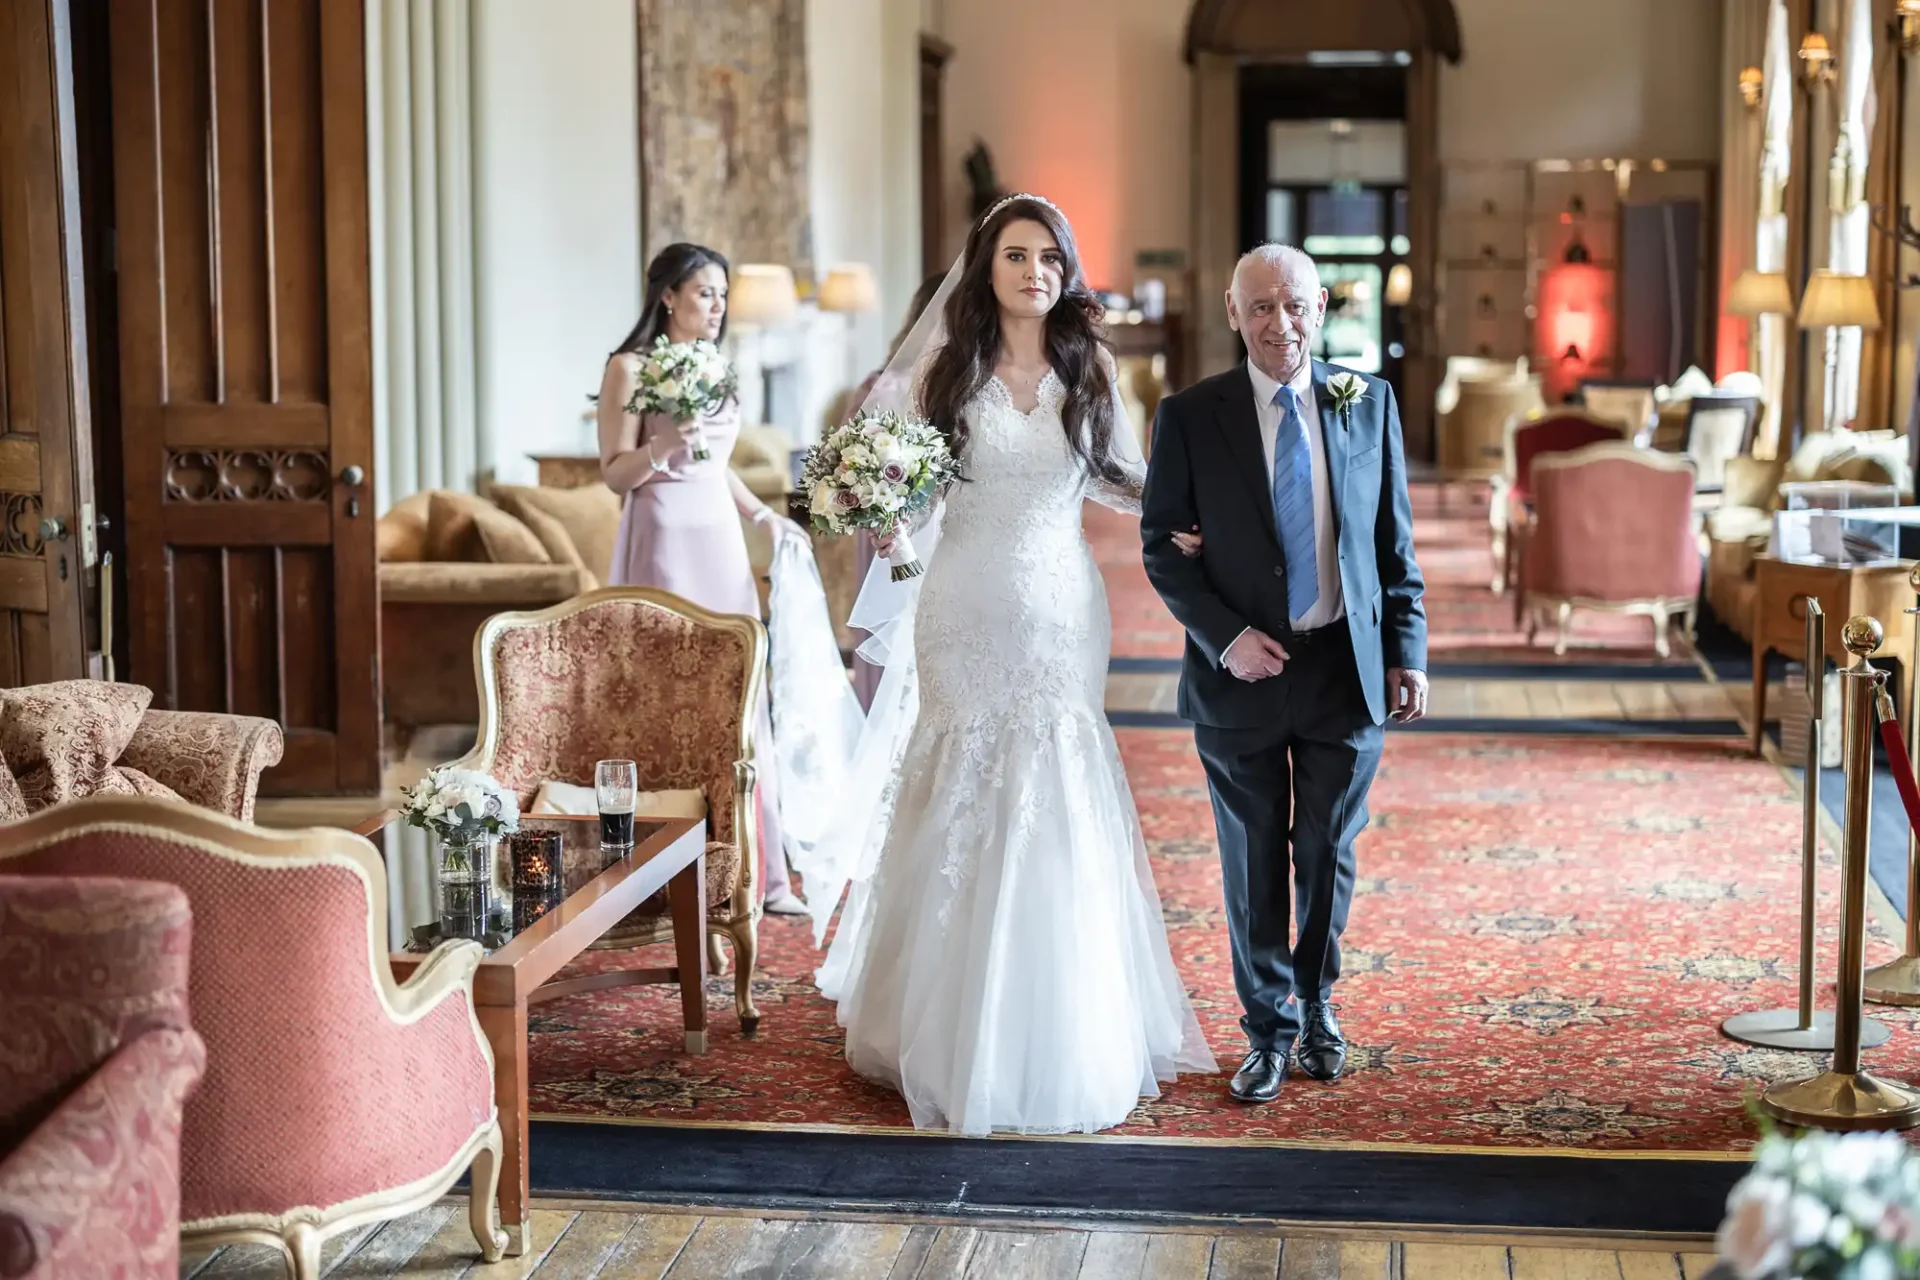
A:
(1906, 25)
(1753, 83)
(1816, 57)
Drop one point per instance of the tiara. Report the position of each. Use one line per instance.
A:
(1004, 201)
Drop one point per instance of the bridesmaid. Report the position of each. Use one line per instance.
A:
(866, 677)
(680, 517)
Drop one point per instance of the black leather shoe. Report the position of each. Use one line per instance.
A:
(1323, 1050)
(1260, 1075)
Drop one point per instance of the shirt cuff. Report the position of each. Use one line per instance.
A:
(1236, 640)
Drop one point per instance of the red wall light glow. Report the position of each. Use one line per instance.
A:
(1574, 326)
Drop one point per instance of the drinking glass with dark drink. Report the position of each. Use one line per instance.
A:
(614, 785)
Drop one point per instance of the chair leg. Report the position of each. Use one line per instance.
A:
(716, 956)
(483, 1197)
(746, 950)
(1660, 645)
(1566, 629)
(303, 1245)
(1533, 626)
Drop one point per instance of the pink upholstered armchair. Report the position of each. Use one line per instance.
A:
(1614, 530)
(1559, 432)
(632, 673)
(334, 1096)
(96, 1061)
(78, 738)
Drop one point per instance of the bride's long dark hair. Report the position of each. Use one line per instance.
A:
(1075, 339)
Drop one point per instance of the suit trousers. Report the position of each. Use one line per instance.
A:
(1292, 792)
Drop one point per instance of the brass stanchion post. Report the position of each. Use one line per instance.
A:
(1802, 1027)
(1847, 1097)
(1898, 981)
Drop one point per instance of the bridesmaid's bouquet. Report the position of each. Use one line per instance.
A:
(686, 381)
(876, 472)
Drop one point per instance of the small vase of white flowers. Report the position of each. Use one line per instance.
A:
(464, 809)
(686, 381)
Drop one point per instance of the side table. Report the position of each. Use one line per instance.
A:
(1780, 623)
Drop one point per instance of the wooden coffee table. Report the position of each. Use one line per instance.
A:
(524, 952)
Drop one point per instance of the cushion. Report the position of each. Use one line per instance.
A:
(505, 540)
(452, 533)
(590, 515)
(401, 534)
(570, 800)
(553, 537)
(60, 741)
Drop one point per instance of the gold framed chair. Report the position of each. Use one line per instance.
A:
(635, 673)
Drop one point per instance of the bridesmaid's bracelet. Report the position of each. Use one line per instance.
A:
(659, 468)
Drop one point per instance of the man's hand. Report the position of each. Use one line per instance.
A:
(1254, 655)
(1406, 694)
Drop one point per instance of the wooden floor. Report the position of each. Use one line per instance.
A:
(625, 1244)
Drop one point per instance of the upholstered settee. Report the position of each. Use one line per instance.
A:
(449, 561)
(96, 1061)
(78, 738)
(334, 1095)
(1739, 529)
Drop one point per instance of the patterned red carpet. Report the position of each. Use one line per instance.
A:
(1544, 937)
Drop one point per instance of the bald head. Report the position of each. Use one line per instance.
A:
(1277, 306)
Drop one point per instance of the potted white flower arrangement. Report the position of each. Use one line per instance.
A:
(1827, 1207)
(464, 809)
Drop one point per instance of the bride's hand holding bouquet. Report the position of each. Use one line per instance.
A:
(686, 381)
(877, 472)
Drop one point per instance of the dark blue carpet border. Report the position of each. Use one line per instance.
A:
(1168, 1181)
(1545, 728)
(1623, 672)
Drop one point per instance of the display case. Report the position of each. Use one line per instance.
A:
(1837, 522)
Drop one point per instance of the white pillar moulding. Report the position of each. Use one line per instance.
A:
(420, 184)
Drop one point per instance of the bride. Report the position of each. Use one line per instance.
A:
(1002, 960)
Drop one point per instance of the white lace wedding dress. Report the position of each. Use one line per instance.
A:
(1006, 968)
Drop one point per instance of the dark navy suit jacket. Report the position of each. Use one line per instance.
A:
(1208, 468)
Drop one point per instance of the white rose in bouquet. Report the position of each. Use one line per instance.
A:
(1827, 1208)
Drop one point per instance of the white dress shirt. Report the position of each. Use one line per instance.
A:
(1331, 606)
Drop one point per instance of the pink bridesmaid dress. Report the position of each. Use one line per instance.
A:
(681, 533)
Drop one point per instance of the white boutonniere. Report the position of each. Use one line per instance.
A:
(1346, 390)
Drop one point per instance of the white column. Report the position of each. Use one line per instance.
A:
(421, 190)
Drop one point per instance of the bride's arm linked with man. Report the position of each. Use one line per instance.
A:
(1306, 631)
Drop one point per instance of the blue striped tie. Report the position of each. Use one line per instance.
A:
(1293, 505)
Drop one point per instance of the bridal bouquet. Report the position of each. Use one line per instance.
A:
(1831, 1208)
(876, 472)
(685, 381)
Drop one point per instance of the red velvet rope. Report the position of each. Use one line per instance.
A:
(1897, 757)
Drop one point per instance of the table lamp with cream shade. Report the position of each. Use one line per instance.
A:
(760, 296)
(1837, 300)
(1760, 293)
(849, 289)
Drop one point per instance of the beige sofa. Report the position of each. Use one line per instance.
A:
(449, 561)
(1738, 530)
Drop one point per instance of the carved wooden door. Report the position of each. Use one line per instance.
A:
(240, 172)
(46, 498)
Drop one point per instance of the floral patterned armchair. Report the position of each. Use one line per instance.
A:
(632, 673)
(334, 1095)
(78, 738)
(96, 1061)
